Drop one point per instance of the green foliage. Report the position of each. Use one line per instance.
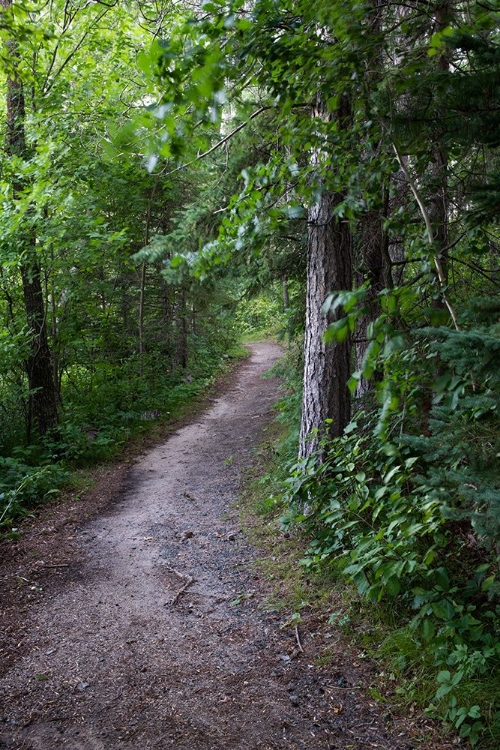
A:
(261, 314)
(461, 452)
(96, 425)
(127, 339)
(22, 487)
(406, 502)
(376, 516)
(156, 249)
(407, 499)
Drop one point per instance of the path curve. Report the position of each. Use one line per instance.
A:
(157, 639)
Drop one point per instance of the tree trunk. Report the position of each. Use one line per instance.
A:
(142, 300)
(43, 393)
(168, 309)
(438, 202)
(42, 413)
(285, 294)
(374, 267)
(326, 367)
(373, 262)
(182, 322)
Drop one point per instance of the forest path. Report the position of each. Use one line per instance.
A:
(155, 638)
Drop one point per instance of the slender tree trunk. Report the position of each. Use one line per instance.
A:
(50, 299)
(286, 296)
(373, 263)
(167, 322)
(142, 283)
(42, 412)
(142, 299)
(374, 267)
(438, 202)
(194, 318)
(183, 343)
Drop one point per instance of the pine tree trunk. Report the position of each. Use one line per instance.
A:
(167, 323)
(42, 413)
(183, 323)
(142, 302)
(326, 367)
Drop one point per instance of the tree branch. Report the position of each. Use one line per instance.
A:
(221, 142)
(46, 87)
(430, 232)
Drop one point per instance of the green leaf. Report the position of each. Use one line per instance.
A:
(338, 331)
(441, 610)
(444, 676)
(428, 629)
(393, 586)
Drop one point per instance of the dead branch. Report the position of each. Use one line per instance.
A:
(297, 638)
(182, 591)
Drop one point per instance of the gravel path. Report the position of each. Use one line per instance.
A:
(155, 637)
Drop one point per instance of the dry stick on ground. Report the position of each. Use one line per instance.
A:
(299, 644)
(182, 590)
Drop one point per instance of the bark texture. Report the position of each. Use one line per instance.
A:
(326, 367)
(373, 261)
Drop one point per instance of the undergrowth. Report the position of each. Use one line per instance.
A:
(299, 592)
(362, 537)
(375, 520)
(92, 433)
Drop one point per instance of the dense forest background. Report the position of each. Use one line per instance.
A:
(176, 175)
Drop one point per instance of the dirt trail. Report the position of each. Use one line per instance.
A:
(156, 638)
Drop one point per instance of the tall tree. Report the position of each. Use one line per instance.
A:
(283, 53)
(42, 413)
(327, 367)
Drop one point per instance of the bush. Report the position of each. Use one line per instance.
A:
(22, 487)
(262, 314)
(372, 514)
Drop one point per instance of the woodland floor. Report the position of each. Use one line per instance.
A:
(145, 625)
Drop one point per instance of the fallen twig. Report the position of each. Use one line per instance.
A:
(299, 644)
(182, 591)
(175, 572)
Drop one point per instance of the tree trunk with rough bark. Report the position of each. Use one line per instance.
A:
(327, 367)
(42, 412)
